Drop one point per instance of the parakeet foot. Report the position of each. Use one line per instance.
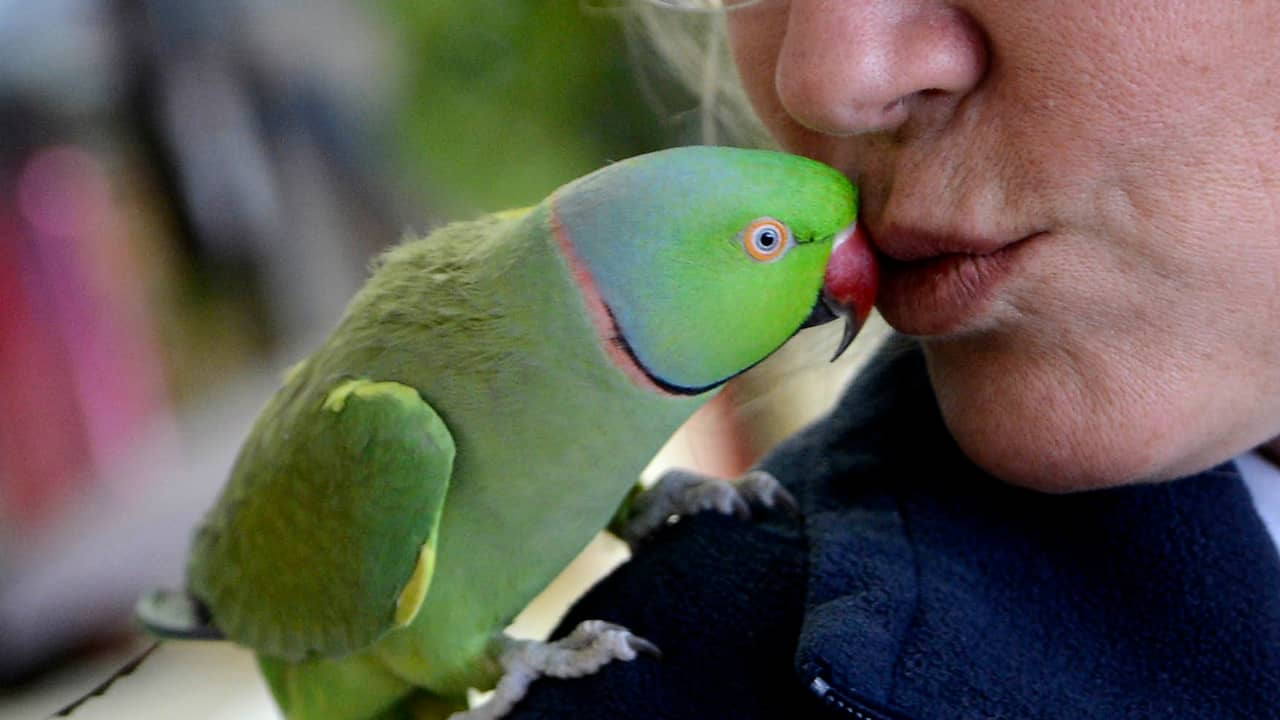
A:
(684, 492)
(591, 646)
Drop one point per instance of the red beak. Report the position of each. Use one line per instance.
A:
(849, 287)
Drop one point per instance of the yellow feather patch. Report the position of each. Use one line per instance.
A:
(337, 398)
(513, 213)
(415, 591)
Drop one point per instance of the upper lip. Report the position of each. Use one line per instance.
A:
(910, 244)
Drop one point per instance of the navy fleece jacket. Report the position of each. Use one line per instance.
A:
(917, 587)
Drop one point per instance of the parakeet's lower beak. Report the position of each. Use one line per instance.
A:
(826, 309)
(849, 286)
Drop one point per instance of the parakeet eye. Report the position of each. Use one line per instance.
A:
(766, 239)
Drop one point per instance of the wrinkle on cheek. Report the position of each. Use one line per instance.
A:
(1270, 272)
(1197, 257)
(1266, 177)
(1268, 180)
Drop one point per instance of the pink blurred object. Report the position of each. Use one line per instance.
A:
(42, 441)
(76, 352)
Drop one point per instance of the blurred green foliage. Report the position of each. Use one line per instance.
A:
(506, 99)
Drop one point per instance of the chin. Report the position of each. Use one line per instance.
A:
(1033, 425)
(1017, 458)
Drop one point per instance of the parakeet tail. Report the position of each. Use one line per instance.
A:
(175, 615)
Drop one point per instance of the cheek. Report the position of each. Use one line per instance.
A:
(756, 34)
(755, 38)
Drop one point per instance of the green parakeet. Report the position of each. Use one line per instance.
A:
(483, 409)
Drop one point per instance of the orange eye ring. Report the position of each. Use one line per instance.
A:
(766, 239)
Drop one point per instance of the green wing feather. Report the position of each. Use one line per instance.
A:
(325, 538)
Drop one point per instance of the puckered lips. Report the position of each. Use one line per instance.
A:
(935, 283)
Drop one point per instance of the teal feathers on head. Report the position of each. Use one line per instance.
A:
(705, 259)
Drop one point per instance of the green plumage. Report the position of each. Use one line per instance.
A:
(466, 430)
(336, 475)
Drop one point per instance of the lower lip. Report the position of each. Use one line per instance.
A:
(944, 294)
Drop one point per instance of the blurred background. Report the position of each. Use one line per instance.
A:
(190, 190)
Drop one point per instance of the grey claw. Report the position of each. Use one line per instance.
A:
(763, 488)
(600, 639)
(682, 492)
(645, 647)
(592, 645)
(786, 502)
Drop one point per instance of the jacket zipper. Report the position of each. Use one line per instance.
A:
(845, 703)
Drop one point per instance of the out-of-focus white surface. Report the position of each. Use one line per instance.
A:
(1262, 477)
(202, 681)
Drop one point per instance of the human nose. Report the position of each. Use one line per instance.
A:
(850, 67)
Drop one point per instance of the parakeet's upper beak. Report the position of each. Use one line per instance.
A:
(849, 286)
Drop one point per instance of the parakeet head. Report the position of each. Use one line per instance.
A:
(699, 262)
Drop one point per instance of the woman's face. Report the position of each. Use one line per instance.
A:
(1078, 204)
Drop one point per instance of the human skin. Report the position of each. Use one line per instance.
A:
(1133, 148)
